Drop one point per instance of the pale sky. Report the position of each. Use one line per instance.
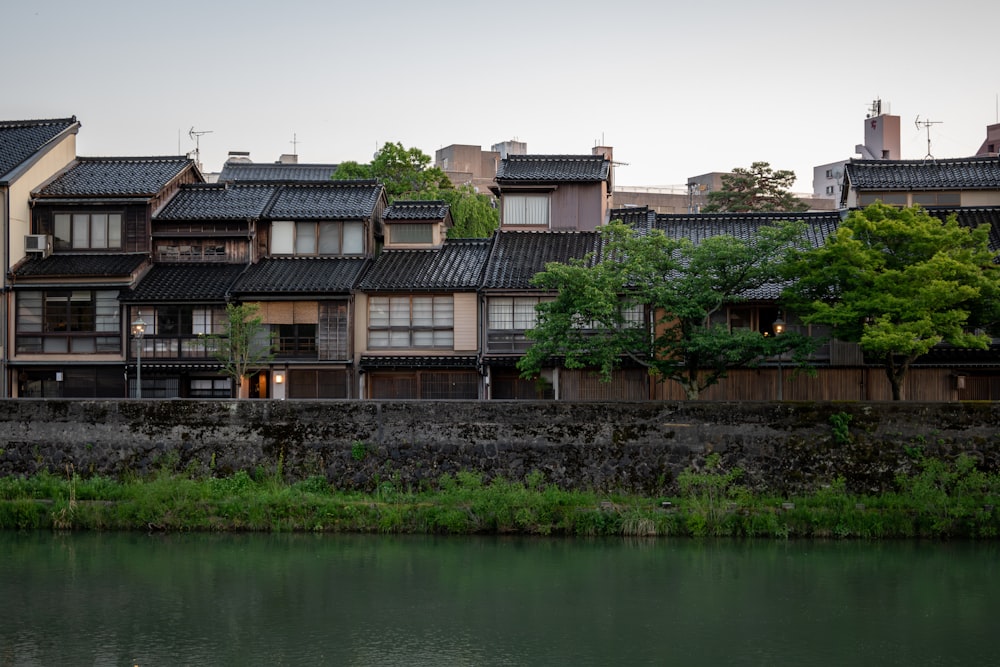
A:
(678, 89)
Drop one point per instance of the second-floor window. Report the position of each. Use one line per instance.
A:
(517, 313)
(179, 330)
(317, 238)
(296, 340)
(87, 231)
(68, 321)
(411, 321)
(526, 209)
(411, 232)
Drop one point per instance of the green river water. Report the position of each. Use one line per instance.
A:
(183, 599)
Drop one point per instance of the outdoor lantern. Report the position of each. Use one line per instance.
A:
(778, 326)
(138, 331)
(279, 378)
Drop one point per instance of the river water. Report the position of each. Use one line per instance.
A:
(134, 599)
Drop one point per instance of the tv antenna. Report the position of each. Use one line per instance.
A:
(927, 124)
(196, 137)
(295, 143)
(875, 109)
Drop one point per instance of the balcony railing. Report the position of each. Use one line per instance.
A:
(506, 341)
(176, 347)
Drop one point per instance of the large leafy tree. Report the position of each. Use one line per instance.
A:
(406, 173)
(757, 188)
(687, 286)
(898, 282)
(402, 171)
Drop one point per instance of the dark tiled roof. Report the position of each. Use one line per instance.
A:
(236, 171)
(327, 200)
(639, 218)
(336, 200)
(116, 177)
(217, 202)
(97, 265)
(698, 226)
(944, 354)
(457, 265)
(517, 256)
(301, 276)
(973, 217)
(186, 282)
(549, 168)
(416, 210)
(20, 139)
(974, 173)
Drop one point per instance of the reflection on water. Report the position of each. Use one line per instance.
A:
(126, 599)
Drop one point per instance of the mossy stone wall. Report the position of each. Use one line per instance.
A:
(638, 447)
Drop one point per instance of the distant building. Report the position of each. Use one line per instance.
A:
(466, 164)
(881, 132)
(992, 144)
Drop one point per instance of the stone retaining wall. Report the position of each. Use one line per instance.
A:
(636, 447)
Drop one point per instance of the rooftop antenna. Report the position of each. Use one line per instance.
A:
(875, 109)
(196, 137)
(927, 124)
(295, 144)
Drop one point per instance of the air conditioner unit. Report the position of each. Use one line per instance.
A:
(38, 243)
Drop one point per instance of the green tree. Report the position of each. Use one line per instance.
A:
(352, 170)
(244, 346)
(402, 171)
(473, 213)
(406, 174)
(758, 188)
(898, 282)
(686, 286)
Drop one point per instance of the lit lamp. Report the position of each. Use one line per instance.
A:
(778, 326)
(279, 378)
(138, 331)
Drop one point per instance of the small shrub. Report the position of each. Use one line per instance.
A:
(359, 450)
(314, 484)
(841, 427)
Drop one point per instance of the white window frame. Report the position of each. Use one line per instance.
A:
(527, 209)
(311, 238)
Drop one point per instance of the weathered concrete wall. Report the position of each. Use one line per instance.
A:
(639, 447)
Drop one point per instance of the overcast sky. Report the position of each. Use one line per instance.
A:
(678, 89)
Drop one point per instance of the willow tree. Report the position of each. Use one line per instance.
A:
(407, 173)
(685, 286)
(899, 282)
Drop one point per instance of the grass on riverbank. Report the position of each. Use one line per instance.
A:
(945, 500)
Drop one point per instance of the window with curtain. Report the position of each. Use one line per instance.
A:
(87, 231)
(526, 209)
(411, 321)
(317, 238)
(516, 313)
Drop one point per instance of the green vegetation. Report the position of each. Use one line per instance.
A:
(841, 423)
(898, 282)
(757, 188)
(592, 322)
(941, 499)
(406, 173)
(244, 346)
